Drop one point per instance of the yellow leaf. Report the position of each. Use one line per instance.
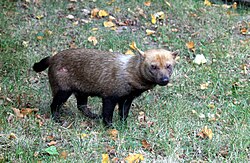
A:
(168, 3)
(39, 37)
(134, 158)
(190, 45)
(204, 86)
(93, 40)
(211, 106)
(207, 3)
(160, 15)
(95, 29)
(108, 24)
(12, 136)
(234, 6)
(149, 32)
(153, 19)
(82, 136)
(48, 32)
(147, 3)
(105, 158)
(110, 2)
(39, 17)
(129, 52)
(133, 46)
(208, 132)
(103, 13)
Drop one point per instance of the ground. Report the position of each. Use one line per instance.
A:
(201, 116)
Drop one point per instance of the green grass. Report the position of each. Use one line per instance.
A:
(173, 135)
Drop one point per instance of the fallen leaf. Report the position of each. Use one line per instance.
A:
(134, 47)
(70, 17)
(75, 23)
(191, 46)
(244, 31)
(110, 2)
(82, 136)
(17, 113)
(149, 32)
(39, 17)
(105, 158)
(27, 111)
(111, 18)
(108, 24)
(168, 3)
(206, 132)
(113, 133)
(153, 19)
(129, 52)
(25, 43)
(201, 116)
(207, 3)
(200, 59)
(204, 86)
(103, 13)
(93, 40)
(36, 153)
(146, 145)
(134, 158)
(142, 117)
(211, 106)
(12, 136)
(234, 6)
(174, 30)
(48, 32)
(52, 143)
(244, 68)
(51, 150)
(95, 29)
(94, 12)
(147, 3)
(160, 15)
(64, 154)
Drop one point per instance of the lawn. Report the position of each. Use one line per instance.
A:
(203, 115)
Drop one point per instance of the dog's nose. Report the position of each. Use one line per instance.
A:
(165, 79)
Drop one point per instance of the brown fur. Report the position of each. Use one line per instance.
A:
(114, 77)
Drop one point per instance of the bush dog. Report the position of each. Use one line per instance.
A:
(116, 78)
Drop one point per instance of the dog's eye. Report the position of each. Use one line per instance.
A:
(168, 66)
(154, 67)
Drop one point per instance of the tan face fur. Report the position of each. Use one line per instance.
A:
(159, 65)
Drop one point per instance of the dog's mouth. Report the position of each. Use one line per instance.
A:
(163, 83)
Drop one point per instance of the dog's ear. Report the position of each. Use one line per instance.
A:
(175, 53)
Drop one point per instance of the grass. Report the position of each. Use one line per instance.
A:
(173, 135)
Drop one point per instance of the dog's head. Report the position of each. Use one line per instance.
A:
(158, 65)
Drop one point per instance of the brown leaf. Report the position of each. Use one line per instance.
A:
(146, 145)
(147, 3)
(17, 113)
(190, 45)
(52, 143)
(113, 133)
(28, 111)
(64, 154)
(94, 12)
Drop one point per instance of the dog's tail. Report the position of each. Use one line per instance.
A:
(42, 65)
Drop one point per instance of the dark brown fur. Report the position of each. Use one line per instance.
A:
(116, 78)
